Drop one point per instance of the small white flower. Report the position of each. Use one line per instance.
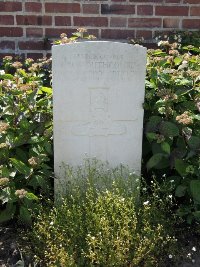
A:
(170, 256)
(146, 202)
(20, 80)
(51, 223)
(170, 196)
(2, 72)
(9, 83)
(194, 249)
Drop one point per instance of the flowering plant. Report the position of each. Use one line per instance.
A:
(25, 136)
(172, 122)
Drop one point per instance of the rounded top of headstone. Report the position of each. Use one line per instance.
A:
(103, 43)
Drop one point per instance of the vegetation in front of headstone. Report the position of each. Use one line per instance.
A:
(25, 136)
(80, 34)
(172, 122)
(101, 222)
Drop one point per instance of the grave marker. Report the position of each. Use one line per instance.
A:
(98, 92)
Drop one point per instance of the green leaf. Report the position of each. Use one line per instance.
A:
(25, 215)
(156, 148)
(47, 90)
(180, 190)
(151, 136)
(153, 123)
(165, 147)
(169, 129)
(177, 60)
(21, 154)
(195, 190)
(196, 214)
(31, 196)
(154, 160)
(159, 53)
(24, 124)
(194, 142)
(20, 166)
(20, 263)
(181, 143)
(8, 213)
(181, 166)
(6, 77)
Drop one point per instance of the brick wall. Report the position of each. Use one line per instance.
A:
(28, 27)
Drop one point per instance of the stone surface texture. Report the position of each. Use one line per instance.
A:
(98, 92)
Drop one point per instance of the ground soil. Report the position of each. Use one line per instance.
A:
(16, 253)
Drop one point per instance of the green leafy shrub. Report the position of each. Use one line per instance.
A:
(25, 136)
(172, 122)
(100, 223)
(171, 126)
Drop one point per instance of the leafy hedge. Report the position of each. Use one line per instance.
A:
(172, 122)
(26, 154)
(171, 127)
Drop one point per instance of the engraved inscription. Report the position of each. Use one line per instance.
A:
(100, 123)
(98, 99)
(99, 128)
(94, 67)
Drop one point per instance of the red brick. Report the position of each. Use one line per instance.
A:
(118, 22)
(34, 32)
(30, 45)
(11, 32)
(35, 55)
(145, 22)
(7, 45)
(191, 23)
(117, 34)
(191, 2)
(2, 55)
(171, 23)
(117, 9)
(62, 21)
(56, 32)
(33, 7)
(90, 8)
(62, 7)
(171, 10)
(91, 21)
(195, 11)
(6, 20)
(10, 6)
(144, 34)
(33, 20)
(144, 10)
(146, 1)
(172, 1)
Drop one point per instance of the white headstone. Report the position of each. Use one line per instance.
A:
(98, 92)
